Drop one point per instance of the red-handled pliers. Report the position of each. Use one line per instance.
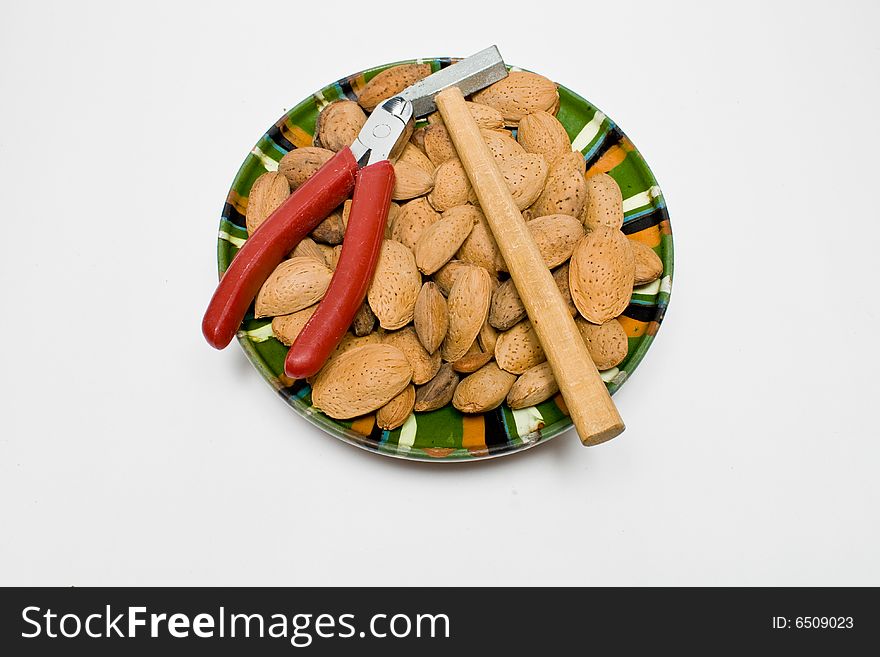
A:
(364, 167)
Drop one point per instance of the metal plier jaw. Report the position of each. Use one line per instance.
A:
(385, 133)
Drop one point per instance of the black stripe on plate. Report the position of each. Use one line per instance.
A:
(642, 313)
(375, 436)
(661, 313)
(274, 133)
(612, 138)
(653, 218)
(495, 431)
(232, 215)
(347, 91)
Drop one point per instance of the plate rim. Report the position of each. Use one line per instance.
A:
(351, 437)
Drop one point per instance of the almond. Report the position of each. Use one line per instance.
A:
(395, 286)
(301, 164)
(286, 328)
(430, 317)
(507, 308)
(486, 116)
(487, 337)
(437, 392)
(519, 349)
(446, 275)
(346, 211)
(308, 249)
(364, 321)
(424, 365)
(361, 380)
(604, 203)
(502, 144)
(391, 81)
(525, 176)
(295, 284)
(601, 274)
(333, 260)
(338, 125)
(350, 341)
(451, 186)
(393, 210)
(541, 132)
(327, 251)
(438, 144)
(480, 247)
(468, 306)
(535, 385)
(412, 220)
(649, 266)
(493, 282)
(393, 414)
(607, 343)
(564, 193)
(268, 192)
(556, 236)
(331, 230)
(413, 155)
(483, 390)
(572, 160)
(439, 241)
(418, 138)
(410, 180)
(483, 115)
(473, 360)
(519, 94)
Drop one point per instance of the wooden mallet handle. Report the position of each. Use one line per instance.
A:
(593, 413)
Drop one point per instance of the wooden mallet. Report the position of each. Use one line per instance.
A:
(593, 413)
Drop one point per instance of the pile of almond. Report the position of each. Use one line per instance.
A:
(443, 322)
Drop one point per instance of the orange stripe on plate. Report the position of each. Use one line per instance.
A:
(653, 327)
(238, 202)
(650, 236)
(473, 432)
(296, 135)
(633, 327)
(665, 228)
(610, 159)
(364, 425)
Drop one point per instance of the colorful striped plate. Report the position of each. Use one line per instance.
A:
(447, 435)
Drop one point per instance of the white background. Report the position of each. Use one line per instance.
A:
(132, 453)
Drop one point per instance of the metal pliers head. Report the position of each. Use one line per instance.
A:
(385, 133)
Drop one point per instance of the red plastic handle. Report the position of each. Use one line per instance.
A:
(266, 248)
(351, 279)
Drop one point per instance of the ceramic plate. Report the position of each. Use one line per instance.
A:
(446, 435)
